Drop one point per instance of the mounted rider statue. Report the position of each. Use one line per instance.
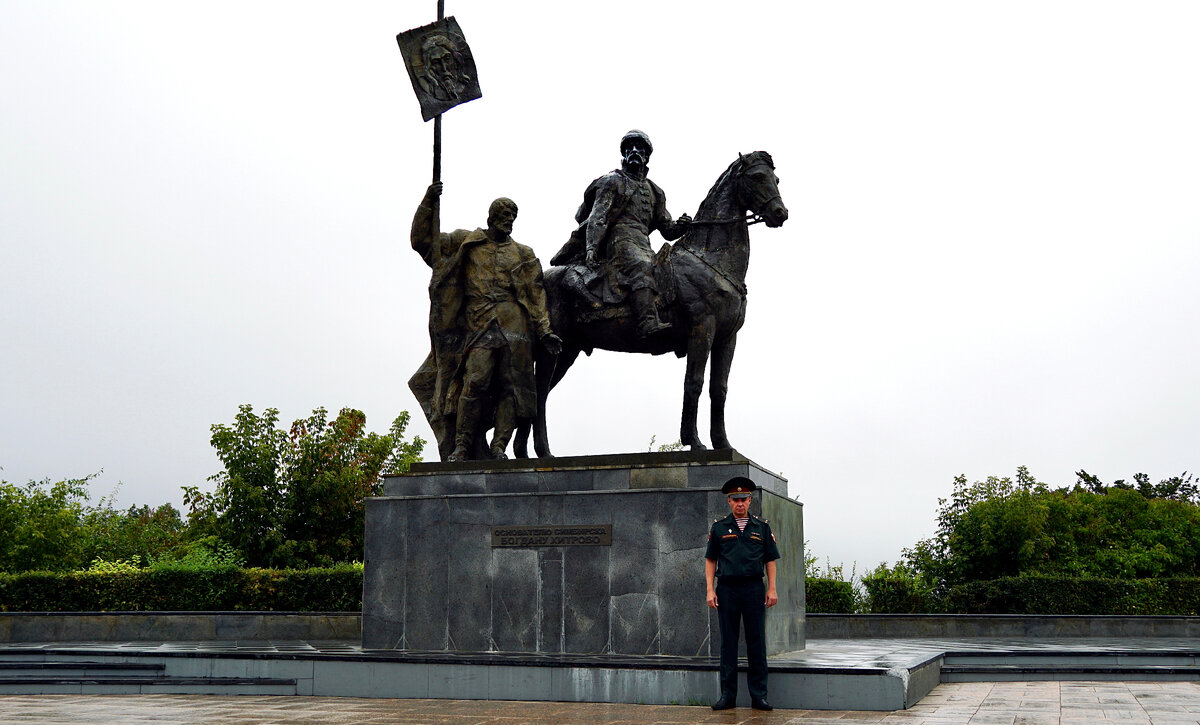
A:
(611, 247)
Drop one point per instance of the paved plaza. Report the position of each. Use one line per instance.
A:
(982, 703)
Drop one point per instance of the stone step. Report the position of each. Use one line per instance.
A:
(144, 684)
(7, 668)
(993, 672)
(1068, 657)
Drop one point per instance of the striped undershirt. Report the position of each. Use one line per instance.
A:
(742, 523)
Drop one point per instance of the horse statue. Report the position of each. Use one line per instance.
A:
(701, 284)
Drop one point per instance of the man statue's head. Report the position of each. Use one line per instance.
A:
(635, 150)
(501, 215)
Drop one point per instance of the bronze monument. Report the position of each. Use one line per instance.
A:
(700, 284)
(486, 308)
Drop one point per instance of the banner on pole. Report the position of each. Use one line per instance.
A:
(440, 66)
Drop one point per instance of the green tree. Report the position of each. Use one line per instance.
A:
(41, 525)
(1005, 527)
(140, 533)
(296, 498)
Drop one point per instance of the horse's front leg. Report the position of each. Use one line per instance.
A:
(718, 386)
(699, 344)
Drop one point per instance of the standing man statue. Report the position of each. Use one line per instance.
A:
(740, 548)
(619, 211)
(487, 307)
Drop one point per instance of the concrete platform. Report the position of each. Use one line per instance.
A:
(976, 703)
(831, 674)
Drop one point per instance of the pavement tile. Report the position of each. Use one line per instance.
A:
(1042, 703)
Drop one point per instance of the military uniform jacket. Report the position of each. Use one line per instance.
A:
(741, 553)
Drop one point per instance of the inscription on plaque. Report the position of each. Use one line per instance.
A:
(565, 535)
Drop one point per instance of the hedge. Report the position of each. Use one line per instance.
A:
(898, 593)
(294, 590)
(828, 596)
(1063, 595)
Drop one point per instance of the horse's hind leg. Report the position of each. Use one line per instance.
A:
(718, 386)
(547, 377)
(521, 439)
(543, 369)
(699, 345)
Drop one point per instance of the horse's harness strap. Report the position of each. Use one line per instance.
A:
(741, 288)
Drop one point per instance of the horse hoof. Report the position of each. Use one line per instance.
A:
(697, 447)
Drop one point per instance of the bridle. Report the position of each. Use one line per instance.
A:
(751, 217)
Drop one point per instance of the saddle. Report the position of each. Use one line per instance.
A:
(594, 296)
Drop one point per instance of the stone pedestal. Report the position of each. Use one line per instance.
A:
(433, 579)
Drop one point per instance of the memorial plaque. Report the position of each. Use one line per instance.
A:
(535, 536)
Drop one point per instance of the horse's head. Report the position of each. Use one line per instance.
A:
(758, 188)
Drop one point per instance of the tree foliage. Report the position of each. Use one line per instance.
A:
(47, 526)
(41, 525)
(296, 498)
(1004, 527)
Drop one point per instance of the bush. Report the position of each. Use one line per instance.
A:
(898, 591)
(183, 588)
(829, 596)
(1066, 595)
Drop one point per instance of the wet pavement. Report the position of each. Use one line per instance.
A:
(982, 703)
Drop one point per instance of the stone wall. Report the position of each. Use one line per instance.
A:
(433, 581)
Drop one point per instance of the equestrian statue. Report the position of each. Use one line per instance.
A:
(608, 290)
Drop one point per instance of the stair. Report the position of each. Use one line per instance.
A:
(1069, 665)
(42, 674)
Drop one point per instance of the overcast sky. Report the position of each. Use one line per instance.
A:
(991, 261)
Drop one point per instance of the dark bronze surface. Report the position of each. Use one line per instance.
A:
(690, 301)
(487, 310)
(557, 535)
(440, 66)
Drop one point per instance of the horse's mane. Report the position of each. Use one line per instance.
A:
(714, 196)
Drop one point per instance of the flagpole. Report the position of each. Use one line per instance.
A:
(437, 120)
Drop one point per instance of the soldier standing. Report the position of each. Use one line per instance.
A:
(740, 548)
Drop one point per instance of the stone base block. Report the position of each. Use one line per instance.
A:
(434, 580)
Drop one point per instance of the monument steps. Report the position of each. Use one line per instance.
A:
(1069, 665)
(48, 675)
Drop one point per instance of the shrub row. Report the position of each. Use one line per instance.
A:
(828, 596)
(336, 589)
(1063, 595)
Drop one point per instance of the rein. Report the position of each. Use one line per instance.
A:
(749, 219)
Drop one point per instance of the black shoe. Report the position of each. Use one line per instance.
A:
(725, 703)
(761, 704)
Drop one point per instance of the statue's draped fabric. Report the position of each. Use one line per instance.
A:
(482, 294)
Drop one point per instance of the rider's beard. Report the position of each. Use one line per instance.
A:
(635, 163)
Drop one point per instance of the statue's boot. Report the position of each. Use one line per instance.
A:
(643, 308)
(468, 421)
(506, 423)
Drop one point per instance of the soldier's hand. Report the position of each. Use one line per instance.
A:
(712, 599)
(683, 220)
(553, 343)
(589, 258)
(772, 598)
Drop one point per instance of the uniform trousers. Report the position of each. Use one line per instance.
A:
(743, 600)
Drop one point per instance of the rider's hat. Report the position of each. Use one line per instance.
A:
(636, 135)
(738, 487)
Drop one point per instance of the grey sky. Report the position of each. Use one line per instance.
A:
(991, 259)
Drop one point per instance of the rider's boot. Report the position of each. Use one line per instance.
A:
(647, 315)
